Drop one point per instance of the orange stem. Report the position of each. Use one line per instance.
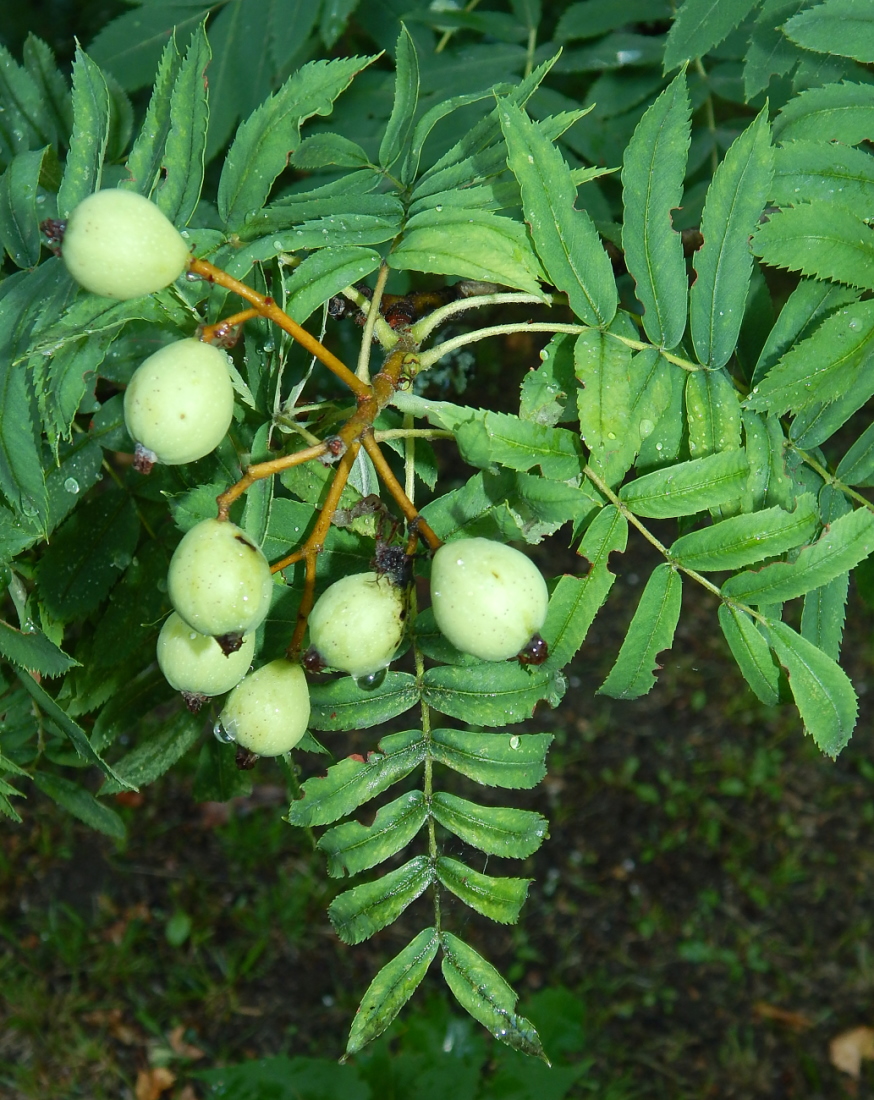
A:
(265, 469)
(397, 491)
(268, 308)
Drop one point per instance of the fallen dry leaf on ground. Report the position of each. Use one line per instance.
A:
(797, 1021)
(153, 1083)
(847, 1050)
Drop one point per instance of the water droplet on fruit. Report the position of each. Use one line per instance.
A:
(222, 734)
(71, 485)
(371, 681)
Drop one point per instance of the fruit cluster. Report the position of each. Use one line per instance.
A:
(489, 600)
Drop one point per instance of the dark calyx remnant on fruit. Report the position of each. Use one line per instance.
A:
(230, 643)
(54, 233)
(193, 700)
(246, 760)
(144, 459)
(535, 653)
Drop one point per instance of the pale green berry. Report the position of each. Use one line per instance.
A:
(357, 623)
(268, 712)
(219, 581)
(119, 244)
(179, 403)
(194, 662)
(488, 599)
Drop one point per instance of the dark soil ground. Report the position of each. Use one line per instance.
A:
(707, 891)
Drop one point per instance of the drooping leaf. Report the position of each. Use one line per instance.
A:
(497, 830)
(357, 913)
(490, 694)
(687, 487)
(735, 200)
(391, 989)
(746, 539)
(843, 27)
(576, 600)
(752, 653)
(406, 98)
(842, 545)
(91, 120)
(493, 759)
(651, 631)
(265, 140)
(470, 243)
(19, 211)
(355, 780)
(836, 112)
(822, 690)
(700, 25)
(499, 899)
(481, 990)
(565, 238)
(33, 651)
(342, 704)
(652, 180)
(81, 803)
(352, 848)
(155, 753)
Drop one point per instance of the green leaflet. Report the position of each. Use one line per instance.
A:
(687, 487)
(499, 899)
(263, 141)
(700, 25)
(823, 171)
(19, 213)
(768, 483)
(482, 992)
(652, 186)
(566, 239)
(470, 243)
(477, 508)
(322, 150)
(156, 753)
(662, 436)
(843, 27)
(489, 439)
(185, 144)
(91, 109)
(324, 274)
(825, 608)
(546, 391)
(352, 847)
(33, 651)
(357, 913)
(218, 779)
(857, 465)
(576, 600)
(87, 555)
(391, 989)
(826, 241)
(259, 497)
(822, 690)
(355, 780)
(27, 120)
(836, 112)
(81, 803)
(147, 153)
(341, 704)
(723, 264)
(651, 631)
(496, 830)
(842, 545)
(752, 653)
(746, 539)
(712, 412)
(66, 725)
(602, 366)
(769, 53)
(515, 762)
(490, 694)
(400, 123)
(592, 18)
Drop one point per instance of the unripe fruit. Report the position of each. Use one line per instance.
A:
(357, 623)
(268, 712)
(119, 244)
(488, 599)
(219, 581)
(180, 401)
(194, 663)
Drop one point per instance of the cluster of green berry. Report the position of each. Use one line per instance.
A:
(488, 599)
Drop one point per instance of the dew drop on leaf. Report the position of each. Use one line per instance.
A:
(71, 485)
(515, 742)
(371, 681)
